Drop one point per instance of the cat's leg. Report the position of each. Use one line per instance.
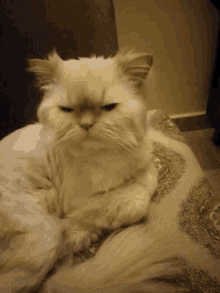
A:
(111, 211)
(77, 235)
(121, 207)
(131, 204)
(29, 242)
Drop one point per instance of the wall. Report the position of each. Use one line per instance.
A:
(181, 34)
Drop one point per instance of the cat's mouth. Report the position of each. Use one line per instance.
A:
(92, 143)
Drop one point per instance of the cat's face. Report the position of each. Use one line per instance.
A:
(94, 103)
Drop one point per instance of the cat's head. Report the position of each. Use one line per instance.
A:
(94, 102)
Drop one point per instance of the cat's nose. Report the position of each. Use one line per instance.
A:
(86, 126)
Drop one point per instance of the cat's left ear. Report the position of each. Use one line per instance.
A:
(46, 71)
(134, 65)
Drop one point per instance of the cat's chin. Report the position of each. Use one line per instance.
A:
(92, 144)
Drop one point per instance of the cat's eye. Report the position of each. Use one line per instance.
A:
(66, 109)
(109, 107)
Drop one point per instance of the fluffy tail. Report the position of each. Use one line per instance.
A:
(129, 261)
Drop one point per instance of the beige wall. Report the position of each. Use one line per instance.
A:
(181, 34)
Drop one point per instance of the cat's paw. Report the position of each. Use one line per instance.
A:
(128, 213)
(132, 206)
(78, 238)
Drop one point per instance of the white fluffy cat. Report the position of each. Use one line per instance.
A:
(86, 166)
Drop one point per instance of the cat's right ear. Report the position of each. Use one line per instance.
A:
(47, 71)
(134, 65)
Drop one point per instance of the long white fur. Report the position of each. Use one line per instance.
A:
(58, 177)
(130, 261)
(124, 151)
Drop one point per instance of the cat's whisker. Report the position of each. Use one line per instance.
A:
(120, 142)
(65, 139)
(127, 146)
(128, 149)
(64, 144)
(119, 138)
(63, 147)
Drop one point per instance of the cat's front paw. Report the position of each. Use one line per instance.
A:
(133, 204)
(78, 238)
(128, 213)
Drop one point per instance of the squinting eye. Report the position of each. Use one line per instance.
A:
(109, 107)
(66, 109)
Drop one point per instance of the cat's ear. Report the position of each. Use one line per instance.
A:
(134, 65)
(47, 71)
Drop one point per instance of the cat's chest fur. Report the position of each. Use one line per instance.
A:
(83, 177)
